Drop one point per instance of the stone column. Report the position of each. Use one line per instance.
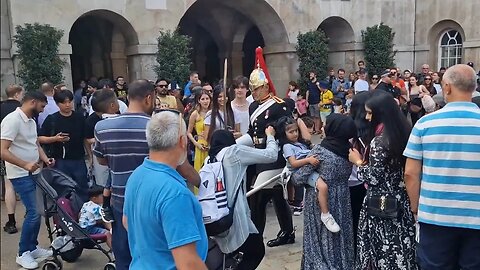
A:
(282, 63)
(237, 60)
(141, 61)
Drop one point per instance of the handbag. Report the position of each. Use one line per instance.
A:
(383, 206)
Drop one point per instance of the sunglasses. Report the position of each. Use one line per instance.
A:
(162, 85)
(375, 78)
(428, 79)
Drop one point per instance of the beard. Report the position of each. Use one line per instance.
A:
(35, 113)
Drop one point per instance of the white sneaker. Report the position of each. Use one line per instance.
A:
(27, 261)
(41, 253)
(330, 223)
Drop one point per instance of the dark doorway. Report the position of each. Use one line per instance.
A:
(91, 40)
(253, 39)
(99, 40)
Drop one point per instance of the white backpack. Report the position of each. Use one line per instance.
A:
(212, 193)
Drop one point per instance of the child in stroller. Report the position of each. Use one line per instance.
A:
(90, 219)
(59, 200)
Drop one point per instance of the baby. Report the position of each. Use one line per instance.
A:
(90, 219)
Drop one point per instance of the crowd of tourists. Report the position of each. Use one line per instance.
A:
(393, 184)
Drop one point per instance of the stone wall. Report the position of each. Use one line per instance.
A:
(417, 25)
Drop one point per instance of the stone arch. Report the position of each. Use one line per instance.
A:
(341, 42)
(226, 24)
(99, 40)
(435, 34)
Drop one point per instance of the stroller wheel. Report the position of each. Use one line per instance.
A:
(109, 266)
(54, 264)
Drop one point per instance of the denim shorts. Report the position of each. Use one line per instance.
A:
(312, 179)
(95, 230)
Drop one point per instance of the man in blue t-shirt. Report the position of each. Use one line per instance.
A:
(162, 216)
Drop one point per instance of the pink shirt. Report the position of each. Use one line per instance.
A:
(301, 106)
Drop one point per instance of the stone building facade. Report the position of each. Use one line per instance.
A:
(109, 38)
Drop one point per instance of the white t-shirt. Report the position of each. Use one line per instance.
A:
(361, 86)
(220, 122)
(293, 95)
(22, 132)
(244, 119)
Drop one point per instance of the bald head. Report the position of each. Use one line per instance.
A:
(47, 88)
(461, 77)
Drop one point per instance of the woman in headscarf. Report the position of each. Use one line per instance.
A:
(243, 235)
(321, 248)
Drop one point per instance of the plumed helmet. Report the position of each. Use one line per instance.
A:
(259, 76)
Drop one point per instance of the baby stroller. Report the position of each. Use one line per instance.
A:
(58, 199)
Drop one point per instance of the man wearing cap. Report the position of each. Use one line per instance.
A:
(361, 85)
(265, 111)
(386, 84)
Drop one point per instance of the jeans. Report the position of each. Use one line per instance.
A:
(77, 170)
(120, 246)
(448, 248)
(25, 187)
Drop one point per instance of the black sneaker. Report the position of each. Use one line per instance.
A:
(297, 211)
(10, 228)
(107, 215)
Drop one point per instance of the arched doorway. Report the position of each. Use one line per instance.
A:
(99, 40)
(341, 42)
(232, 30)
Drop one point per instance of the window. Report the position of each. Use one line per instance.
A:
(450, 51)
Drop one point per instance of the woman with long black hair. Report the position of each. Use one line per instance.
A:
(221, 115)
(386, 233)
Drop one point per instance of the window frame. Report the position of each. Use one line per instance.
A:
(458, 50)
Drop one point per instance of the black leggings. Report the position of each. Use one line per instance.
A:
(253, 252)
(258, 204)
(357, 194)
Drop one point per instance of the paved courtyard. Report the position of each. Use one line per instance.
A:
(279, 258)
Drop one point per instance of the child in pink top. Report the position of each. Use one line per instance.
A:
(301, 105)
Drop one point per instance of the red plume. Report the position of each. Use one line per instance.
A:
(260, 61)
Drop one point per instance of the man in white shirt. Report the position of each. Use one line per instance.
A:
(22, 155)
(51, 108)
(361, 85)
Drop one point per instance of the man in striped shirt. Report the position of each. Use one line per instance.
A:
(442, 175)
(121, 145)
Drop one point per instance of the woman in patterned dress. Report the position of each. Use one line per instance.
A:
(202, 103)
(322, 249)
(385, 243)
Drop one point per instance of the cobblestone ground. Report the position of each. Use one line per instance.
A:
(278, 258)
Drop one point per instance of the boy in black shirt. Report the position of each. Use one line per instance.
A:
(63, 135)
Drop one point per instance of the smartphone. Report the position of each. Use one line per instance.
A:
(64, 134)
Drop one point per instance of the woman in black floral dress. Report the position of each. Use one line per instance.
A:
(385, 243)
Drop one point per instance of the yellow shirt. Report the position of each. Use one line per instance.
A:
(168, 102)
(326, 99)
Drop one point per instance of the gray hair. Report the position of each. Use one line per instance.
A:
(461, 77)
(164, 129)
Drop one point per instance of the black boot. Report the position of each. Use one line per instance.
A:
(283, 238)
